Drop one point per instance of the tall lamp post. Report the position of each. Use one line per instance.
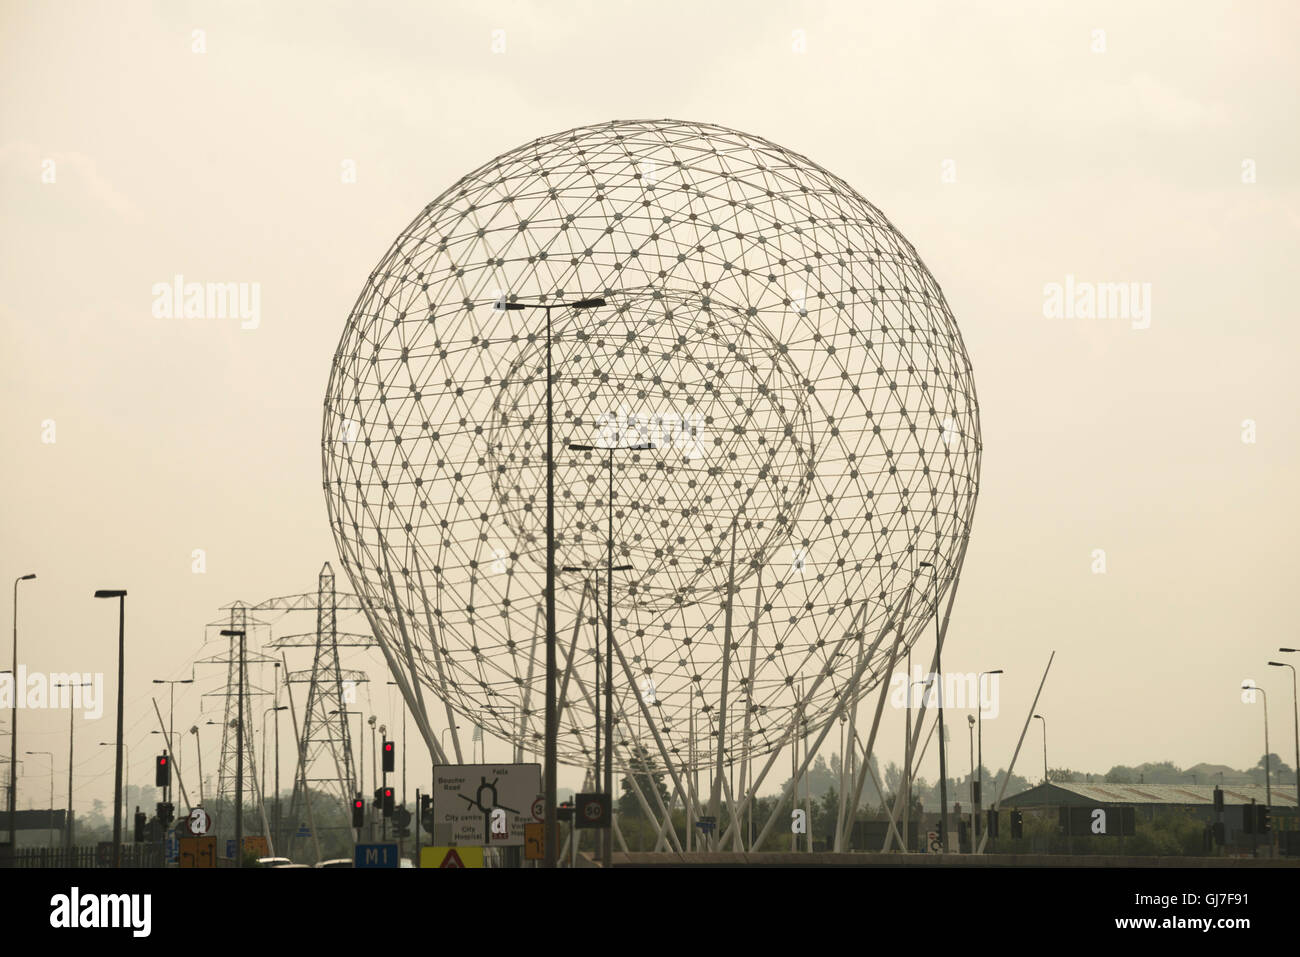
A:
(552, 842)
(979, 738)
(50, 755)
(277, 709)
(126, 752)
(607, 845)
(1044, 720)
(67, 821)
(943, 760)
(13, 731)
(1268, 775)
(120, 595)
(1295, 714)
(171, 713)
(198, 751)
(239, 745)
(970, 734)
(403, 745)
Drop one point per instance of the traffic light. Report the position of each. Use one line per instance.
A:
(1017, 824)
(1263, 826)
(379, 798)
(389, 757)
(165, 811)
(162, 772)
(388, 801)
(961, 834)
(564, 812)
(358, 811)
(140, 821)
(426, 812)
(993, 823)
(1218, 799)
(402, 822)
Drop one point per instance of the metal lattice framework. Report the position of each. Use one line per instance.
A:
(783, 347)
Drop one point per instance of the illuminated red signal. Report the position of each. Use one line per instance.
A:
(162, 776)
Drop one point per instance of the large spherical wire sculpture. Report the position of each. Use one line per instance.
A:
(785, 352)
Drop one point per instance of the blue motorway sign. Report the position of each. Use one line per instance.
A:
(377, 855)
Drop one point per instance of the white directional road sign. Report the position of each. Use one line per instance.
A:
(481, 804)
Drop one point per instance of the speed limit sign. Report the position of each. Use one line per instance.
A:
(539, 809)
(592, 811)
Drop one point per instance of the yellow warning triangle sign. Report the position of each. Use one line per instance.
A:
(452, 859)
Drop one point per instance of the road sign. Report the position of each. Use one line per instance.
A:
(198, 852)
(480, 804)
(173, 847)
(256, 845)
(450, 857)
(707, 824)
(534, 841)
(199, 822)
(377, 855)
(303, 831)
(932, 843)
(539, 809)
(592, 811)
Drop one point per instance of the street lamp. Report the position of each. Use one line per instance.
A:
(198, 750)
(1295, 714)
(239, 744)
(50, 755)
(13, 731)
(1268, 775)
(120, 595)
(360, 782)
(970, 734)
(552, 842)
(943, 761)
(171, 714)
(374, 750)
(1044, 720)
(607, 844)
(979, 737)
(276, 709)
(126, 752)
(67, 821)
(403, 745)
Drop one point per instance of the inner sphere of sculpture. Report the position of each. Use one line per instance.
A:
(723, 410)
(781, 346)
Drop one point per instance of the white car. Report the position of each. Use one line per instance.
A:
(273, 861)
(336, 862)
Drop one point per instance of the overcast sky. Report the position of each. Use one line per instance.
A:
(1014, 144)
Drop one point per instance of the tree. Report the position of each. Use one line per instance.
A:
(649, 778)
(1278, 768)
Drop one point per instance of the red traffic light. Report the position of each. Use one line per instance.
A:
(162, 760)
(359, 804)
